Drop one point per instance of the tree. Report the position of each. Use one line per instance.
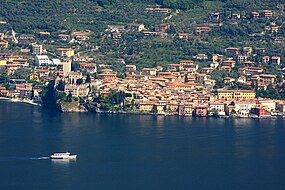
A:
(88, 79)
(69, 97)
(3, 76)
(215, 112)
(233, 112)
(79, 81)
(61, 85)
(49, 96)
(33, 93)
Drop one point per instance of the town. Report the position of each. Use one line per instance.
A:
(41, 74)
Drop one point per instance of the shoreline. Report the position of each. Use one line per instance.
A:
(13, 100)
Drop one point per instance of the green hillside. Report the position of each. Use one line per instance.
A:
(95, 15)
(53, 15)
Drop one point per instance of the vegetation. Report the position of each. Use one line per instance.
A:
(49, 95)
(114, 101)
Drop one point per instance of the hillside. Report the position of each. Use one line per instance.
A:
(55, 15)
(136, 48)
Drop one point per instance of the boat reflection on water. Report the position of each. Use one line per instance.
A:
(63, 161)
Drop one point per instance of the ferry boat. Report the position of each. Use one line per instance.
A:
(63, 155)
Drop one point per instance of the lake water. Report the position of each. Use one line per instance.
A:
(138, 151)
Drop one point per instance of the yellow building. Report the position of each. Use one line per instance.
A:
(34, 77)
(172, 107)
(146, 106)
(267, 79)
(2, 36)
(236, 94)
(3, 62)
(65, 52)
(159, 108)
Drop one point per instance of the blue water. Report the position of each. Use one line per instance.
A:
(138, 152)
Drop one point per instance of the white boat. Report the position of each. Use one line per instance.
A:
(63, 155)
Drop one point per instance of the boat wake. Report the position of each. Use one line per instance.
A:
(22, 158)
(39, 158)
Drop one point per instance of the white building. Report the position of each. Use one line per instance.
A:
(270, 105)
(43, 60)
(37, 49)
(56, 61)
(220, 107)
(243, 108)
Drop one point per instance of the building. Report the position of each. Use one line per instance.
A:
(80, 37)
(248, 63)
(146, 106)
(275, 60)
(185, 109)
(107, 75)
(265, 59)
(201, 77)
(130, 68)
(56, 61)
(44, 34)
(26, 37)
(37, 49)
(214, 17)
(268, 105)
(2, 35)
(42, 72)
(242, 58)
(247, 50)
(226, 68)
(201, 111)
(149, 71)
(73, 77)
(183, 36)
(201, 56)
(186, 62)
(175, 67)
(261, 112)
(236, 16)
(81, 90)
(229, 80)
(63, 37)
(34, 77)
(136, 27)
(236, 94)
(207, 70)
(267, 79)
(42, 60)
(89, 67)
(66, 67)
(232, 51)
(214, 65)
(255, 14)
(217, 58)
(162, 28)
(267, 13)
(243, 108)
(230, 63)
(3, 62)
(203, 29)
(220, 107)
(21, 62)
(65, 52)
(158, 10)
